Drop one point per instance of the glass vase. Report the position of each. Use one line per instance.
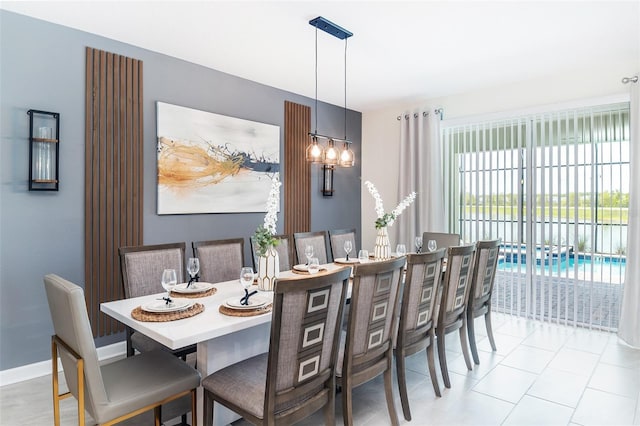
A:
(268, 269)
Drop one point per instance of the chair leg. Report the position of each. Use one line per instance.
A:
(487, 321)
(194, 407)
(388, 391)
(463, 342)
(157, 415)
(347, 400)
(402, 384)
(207, 410)
(432, 366)
(330, 407)
(472, 338)
(443, 361)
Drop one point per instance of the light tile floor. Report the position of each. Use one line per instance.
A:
(541, 374)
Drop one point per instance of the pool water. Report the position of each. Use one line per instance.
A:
(597, 268)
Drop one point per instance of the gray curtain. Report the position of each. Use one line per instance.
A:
(629, 326)
(420, 171)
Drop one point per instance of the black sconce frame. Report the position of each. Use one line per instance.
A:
(327, 180)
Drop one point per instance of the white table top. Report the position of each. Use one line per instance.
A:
(199, 328)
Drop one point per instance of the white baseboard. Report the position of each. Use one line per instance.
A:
(39, 369)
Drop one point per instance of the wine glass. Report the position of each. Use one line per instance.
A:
(401, 250)
(308, 251)
(314, 265)
(363, 256)
(193, 266)
(246, 277)
(432, 245)
(347, 248)
(418, 244)
(169, 281)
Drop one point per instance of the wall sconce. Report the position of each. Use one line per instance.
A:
(44, 150)
(327, 180)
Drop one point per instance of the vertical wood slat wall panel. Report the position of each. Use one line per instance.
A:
(297, 173)
(113, 176)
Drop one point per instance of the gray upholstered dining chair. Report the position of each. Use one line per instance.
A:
(367, 348)
(484, 274)
(295, 377)
(220, 260)
(141, 268)
(452, 314)
(316, 239)
(284, 249)
(416, 330)
(118, 390)
(443, 239)
(337, 237)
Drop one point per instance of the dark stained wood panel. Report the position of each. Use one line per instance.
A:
(113, 176)
(297, 171)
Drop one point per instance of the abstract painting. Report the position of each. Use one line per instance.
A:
(211, 163)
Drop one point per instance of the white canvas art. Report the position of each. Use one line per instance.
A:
(211, 163)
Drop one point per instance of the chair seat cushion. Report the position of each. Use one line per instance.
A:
(143, 379)
(242, 384)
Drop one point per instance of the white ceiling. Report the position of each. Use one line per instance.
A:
(401, 51)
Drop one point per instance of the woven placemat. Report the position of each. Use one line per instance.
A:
(225, 310)
(141, 315)
(206, 293)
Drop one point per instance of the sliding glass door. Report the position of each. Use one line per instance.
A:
(555, 188)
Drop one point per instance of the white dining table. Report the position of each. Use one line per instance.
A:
(221, 340)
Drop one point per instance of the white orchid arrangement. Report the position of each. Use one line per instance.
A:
(263, 236)
(387, 219)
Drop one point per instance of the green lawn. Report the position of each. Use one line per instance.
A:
(605, 215)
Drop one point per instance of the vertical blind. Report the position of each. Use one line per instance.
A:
(555, 188)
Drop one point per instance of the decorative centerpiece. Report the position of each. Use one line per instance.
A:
(382, 249)
(268, 261)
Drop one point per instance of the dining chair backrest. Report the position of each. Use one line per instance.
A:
(337, 239)
(296, 377)
(305, 333)
(71, 324)
(443, 240)
(457, 283)
(142, 266)
(284, 249)
(424, 272)
(220, 260)
(484, 274)
(416, 331)
(484, 271)
(316, 239)
(117, 390)
(368, 347)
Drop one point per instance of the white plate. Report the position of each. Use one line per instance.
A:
(305, 268)
(255, 301)
(344, 260)
(163, 306)
(193, 288)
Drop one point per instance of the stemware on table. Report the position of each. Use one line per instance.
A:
(193, 267)
(169, 281)
(432, 245)
(347, 248)
(308, 252)
(418, 242)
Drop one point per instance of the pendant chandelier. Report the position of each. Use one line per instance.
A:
(331, 155)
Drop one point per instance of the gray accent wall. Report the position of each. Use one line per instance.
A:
(42, 66)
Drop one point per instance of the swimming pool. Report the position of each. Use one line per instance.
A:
(603, 268)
